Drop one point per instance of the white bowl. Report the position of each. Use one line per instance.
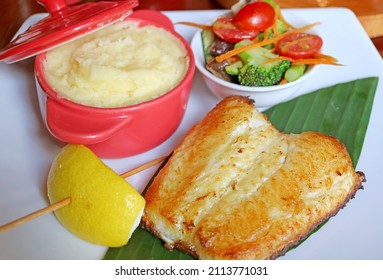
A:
(264, 97)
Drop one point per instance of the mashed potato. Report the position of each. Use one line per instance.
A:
(119, 65)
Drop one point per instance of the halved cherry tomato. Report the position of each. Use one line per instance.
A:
(256, 16)
(227, 31)
(299, 45)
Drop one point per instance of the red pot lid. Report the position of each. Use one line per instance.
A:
(63, 24)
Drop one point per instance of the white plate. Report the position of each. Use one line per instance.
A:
(27, 150)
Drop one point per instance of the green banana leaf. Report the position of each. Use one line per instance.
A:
(342, 110)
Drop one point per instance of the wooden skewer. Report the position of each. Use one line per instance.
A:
(35, 215)
(142, 167)
(67, 200)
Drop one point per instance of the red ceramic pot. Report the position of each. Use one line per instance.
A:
(117, 132)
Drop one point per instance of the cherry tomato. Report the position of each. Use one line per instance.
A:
(227, 31)
(256, 16)
(299, 45)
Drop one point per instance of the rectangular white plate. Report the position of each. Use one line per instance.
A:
(27, 150)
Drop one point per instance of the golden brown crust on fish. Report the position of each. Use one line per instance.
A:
(237, 188)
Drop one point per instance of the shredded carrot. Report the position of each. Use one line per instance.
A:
(274, 27)
(266, 34)
(283, 81)
(233, 59)
(318, 58)
(278, 58)
(280, 16)
(312, 61)
(325, 56)
(236, 51)
(202, 26)
(273, 50)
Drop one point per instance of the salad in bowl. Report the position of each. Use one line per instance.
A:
(254, 50)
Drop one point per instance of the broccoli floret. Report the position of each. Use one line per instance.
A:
(263, 75)
(256, 71)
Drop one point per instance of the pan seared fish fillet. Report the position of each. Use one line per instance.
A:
(237, 188)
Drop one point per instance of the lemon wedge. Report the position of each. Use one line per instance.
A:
(104, 208)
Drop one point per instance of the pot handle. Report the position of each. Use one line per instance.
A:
(54, 6)
(154, 16)
(72, 126)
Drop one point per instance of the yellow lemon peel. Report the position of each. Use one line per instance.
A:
(104, 209)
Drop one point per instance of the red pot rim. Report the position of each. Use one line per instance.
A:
(141, 16)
